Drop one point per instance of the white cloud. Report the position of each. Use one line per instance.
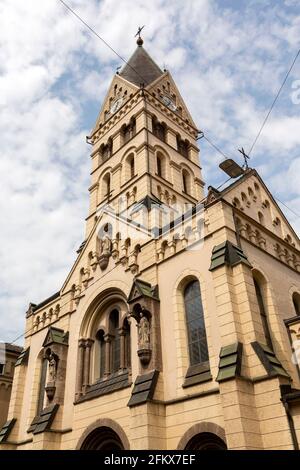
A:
(227, 62)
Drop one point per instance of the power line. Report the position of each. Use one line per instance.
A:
(274, 102)
(214, 146)
(99, 37)
(292, 210)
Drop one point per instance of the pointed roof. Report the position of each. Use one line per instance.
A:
(141, 68)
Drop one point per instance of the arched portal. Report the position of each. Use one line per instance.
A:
(103, 434)
(102, 438)
(206, 441)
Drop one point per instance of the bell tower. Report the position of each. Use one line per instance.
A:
(144, 143)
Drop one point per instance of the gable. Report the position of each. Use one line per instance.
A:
(251, 196)
(165, 86)
(119, 88)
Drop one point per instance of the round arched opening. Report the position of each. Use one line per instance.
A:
(206, 441)
(102, 438)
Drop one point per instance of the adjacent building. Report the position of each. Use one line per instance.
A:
(8, 357)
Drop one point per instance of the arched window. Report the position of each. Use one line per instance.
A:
(115, 340)
(244, 197)
(131, 163)
(127, 347)
(186, 182)
(106, 185)
(101, 350)
(250, 192)
(261, 218)
(182, 146)
(129, 131)
(236, 203)
(161, 165)
(262, 311)
(296, 302)
(106, 150)
(197, 341)
(158, 129)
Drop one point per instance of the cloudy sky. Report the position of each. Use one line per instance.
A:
(227, 57)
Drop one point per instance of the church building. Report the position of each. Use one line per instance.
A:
(178, 326)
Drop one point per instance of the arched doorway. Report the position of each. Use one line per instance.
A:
(102, 438)
(205, 441)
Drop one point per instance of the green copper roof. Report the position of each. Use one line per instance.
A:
(230, 362)
(56, 335)
(43, 422)
(144, 388)
(23, 358)
(269, 360)
(6, 429)
(142, 289)
(227, 254)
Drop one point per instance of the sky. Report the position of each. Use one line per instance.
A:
(228, 59)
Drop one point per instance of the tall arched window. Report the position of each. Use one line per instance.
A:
(182, 146)
(158, 163)
(129, 130)
(159, 129)
(186, 181)
(127, 348)
(197, 340)
(106, 185)
(161, 165)
(263, 313)
(261, 218)
(131, 163)
(101, 346)
(115, 340)
(296, 302)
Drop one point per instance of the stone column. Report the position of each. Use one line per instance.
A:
(107, 339)
(122, 348)
(80, 368)
(86, 368)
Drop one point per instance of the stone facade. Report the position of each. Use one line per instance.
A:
(174, 329)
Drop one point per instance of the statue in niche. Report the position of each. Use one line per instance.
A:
(106, 248)
(106, 245)
(52, 367)
(144, 332)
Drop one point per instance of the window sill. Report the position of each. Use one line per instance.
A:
(197, 374)
(114, 382)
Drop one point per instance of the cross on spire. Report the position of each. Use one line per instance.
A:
(139, 40)
(246, 157)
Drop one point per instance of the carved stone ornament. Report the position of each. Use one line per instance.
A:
(103, 261)
(144, 355)
(50, 391)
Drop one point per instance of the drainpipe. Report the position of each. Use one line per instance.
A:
(289, 416)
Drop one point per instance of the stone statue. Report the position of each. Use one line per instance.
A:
(144, 332)
(52, 367)
(106, 245)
